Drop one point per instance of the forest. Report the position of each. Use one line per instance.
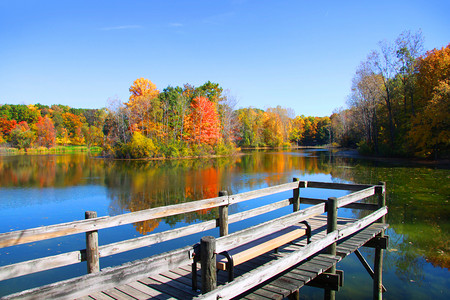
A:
(398, 106)
(176, 122)
(400, 101)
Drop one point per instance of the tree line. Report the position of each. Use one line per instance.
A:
(400, 101)
(176, 122)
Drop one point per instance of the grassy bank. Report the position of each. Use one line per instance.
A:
(53, 150)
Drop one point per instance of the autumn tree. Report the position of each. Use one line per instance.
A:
(20, 113)
(93, 135)
(45, 131)
(202, 124)
(430, 133)
(6, 126)
(297, 130)
(144, 108)
(431, 127)
(273, 129)
(21, 136)
(285, 116)
(73, 124)
(250, 127)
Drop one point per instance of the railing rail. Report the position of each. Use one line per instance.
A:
(224, 243)
(266, 271)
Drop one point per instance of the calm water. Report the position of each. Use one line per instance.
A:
(44, 190)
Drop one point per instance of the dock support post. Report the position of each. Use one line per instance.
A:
(92, 257)
(331, 226)
(296, 197)
(208, 263)
(223, 216)
(294, 296)
(378, 260)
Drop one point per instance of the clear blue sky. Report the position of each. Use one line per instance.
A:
(298, 54)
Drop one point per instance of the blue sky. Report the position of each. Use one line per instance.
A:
(297, 54)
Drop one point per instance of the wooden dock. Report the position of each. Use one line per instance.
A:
(281, 255)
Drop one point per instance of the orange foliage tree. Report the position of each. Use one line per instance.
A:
(434, 67)
(46, 133)
(430, 133)
(202, 125)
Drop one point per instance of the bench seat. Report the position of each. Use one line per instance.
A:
(262, 245)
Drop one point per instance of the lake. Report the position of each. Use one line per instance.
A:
(44, 190)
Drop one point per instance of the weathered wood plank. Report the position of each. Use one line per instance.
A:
(118, 295)
(267, 292)
(288, 283)
(262, 192)
(148, 290)
(65, 259)
(176, 277)
(109, 277)
(257, 247)
(244, 236)
(352, 228)
(40, 264)
(336, 186)
(187, 289)
(255, 297)
(355, 196)
(363, 206)
(47, 232)
(155, 238)
(85, 298)
(129, 290)
(99, 296)
(257, 211)
(166, 289)
(279, 290)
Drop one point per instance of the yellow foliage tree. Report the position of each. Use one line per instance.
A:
(144, 108)
(430, 133)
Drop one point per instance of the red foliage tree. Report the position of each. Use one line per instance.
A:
(202, 124)
(6, 126)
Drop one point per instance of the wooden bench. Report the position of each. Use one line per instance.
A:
(255, 248)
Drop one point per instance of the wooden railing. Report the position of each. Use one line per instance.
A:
(166, 261)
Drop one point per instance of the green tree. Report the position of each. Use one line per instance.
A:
(21, 136)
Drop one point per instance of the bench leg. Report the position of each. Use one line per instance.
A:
(230, 265)
(194, 275)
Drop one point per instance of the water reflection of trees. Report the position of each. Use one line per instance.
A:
(418, 214)
(43, 171)
(138, 185)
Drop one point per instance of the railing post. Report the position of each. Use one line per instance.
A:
(331, 226)
(296, 197)
(92, 257)
(223, 216)
(378, 260)
(208, 263)
(381, 197)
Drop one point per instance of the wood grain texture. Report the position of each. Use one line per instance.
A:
(47, 232)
